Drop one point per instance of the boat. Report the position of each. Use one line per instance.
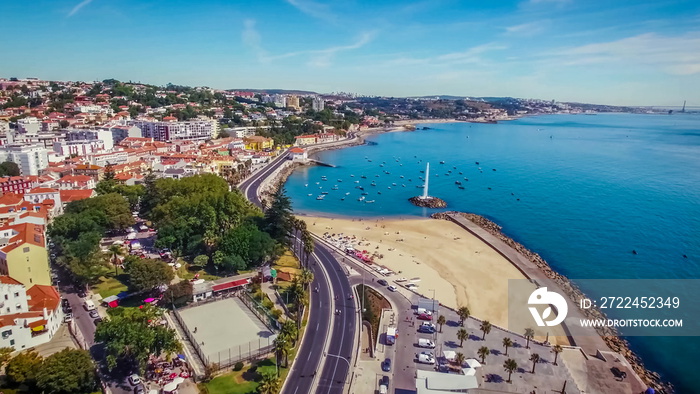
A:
(460, 173)
(494, 169)
(466, 179)
(379, 192)
(479, 168)
(388, 187)
(321, 197)
(373, 184)
(340, 180)
(489, 188)
(310, 194)
(324, 192)
(461, 187)
(422, 172)
(402, 185)
(376, 176)
(347, 194)
(363, 177)
(458, 183)
(401, 176)
(365, 193)
(306, 185)
(420, 186)
(352, 176)
(442, 162)
(357, 181)
(393, 184)
(358, 187)
(381, 165)
(318, 183)
(334, 187)
(476, 162)
(361, 198)
(342, 199)
(454, 168)
(402, 279)
(369, 201)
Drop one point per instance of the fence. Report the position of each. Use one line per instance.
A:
(195, 344)
(260, 311)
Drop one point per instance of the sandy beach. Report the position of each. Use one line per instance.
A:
(458, 266)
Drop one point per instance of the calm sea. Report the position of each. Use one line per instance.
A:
(581, 190)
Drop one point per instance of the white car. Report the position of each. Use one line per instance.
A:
(426, 343)
(428, 324)
(425, 358)
(392, 288)
(134, 379)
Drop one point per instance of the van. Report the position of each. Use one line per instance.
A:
(89, 305)
(383, 389)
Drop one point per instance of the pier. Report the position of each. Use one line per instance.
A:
(320, 163)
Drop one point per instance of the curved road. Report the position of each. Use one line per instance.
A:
(339, 330)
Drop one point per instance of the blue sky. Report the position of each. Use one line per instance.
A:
(615, 52)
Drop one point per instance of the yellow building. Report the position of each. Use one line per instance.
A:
(293, 102)
(258, 143)
(23, 254)
(307, 139)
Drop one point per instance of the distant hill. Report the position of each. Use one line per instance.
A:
(439, 96)
(274, 91)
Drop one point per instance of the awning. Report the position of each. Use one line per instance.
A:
(170, 387)
(231, 285)
(472, 363)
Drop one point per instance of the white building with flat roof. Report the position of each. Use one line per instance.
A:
(30, 159)
(195, 130)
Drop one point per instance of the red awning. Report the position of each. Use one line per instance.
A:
(231, 285)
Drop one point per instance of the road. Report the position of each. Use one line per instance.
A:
(330, 279)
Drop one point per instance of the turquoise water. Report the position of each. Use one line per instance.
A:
(583, 191)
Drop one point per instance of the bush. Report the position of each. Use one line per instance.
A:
(267, 304)
(276, 313)
(238, 366)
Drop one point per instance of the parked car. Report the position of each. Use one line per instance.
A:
(97, 321)
(134, 379)
(64, 302)
(426, 343)
(82, 294)
(425, 316)
(384, 380)
(94, 314)
(67, 317)
(392, 288)
(139, 389)
(382, 282)
(426, 329)
(425, 358)
(386, 365)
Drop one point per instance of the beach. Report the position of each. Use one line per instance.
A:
(459, 267)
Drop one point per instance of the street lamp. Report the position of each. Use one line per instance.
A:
(342, 358)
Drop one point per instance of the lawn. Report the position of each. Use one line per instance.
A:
(110, 285)
(240, 382)
(187, 271)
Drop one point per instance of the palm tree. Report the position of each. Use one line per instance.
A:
(483, 352)
(289, 329)
(486, 328)
(269, 383)
(507, 342)
(459, 359)
(510, 365)
(441, 320)
(463, 313)
(302, 303)
(535, 358)
(462, 334)
(308, 245)
(556, 349)
(115, 251)
(529, 333)
(280, 349)
(306, 277)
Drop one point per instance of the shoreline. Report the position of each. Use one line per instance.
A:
(613, 341)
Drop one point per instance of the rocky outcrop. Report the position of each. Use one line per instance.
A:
(609, 335)
(430, 202)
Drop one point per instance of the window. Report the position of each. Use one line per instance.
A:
(6, 297)
(16, 294)
(12, 342)
(26, 249)
(6, 334)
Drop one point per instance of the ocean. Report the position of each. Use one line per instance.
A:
(583, 191)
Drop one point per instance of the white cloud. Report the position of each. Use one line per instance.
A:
(472, 55)
(558, 2)
(78, 7)
(679, 55)
(251, 38)
(314, 9)
(526, 29)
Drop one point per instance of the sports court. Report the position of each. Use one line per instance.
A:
(226, 330)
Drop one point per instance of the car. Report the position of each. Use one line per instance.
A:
(97, 321)
(428, 324)
(426, 330)
(64, 302)
(392, 288)
(68, 317)
(82, 293)
(94, 314)
(134, 379)
(139, 389)
(68, 309)
(384, 381)
(425, 358)
(386, 365)
(382, 282)
(425, 316)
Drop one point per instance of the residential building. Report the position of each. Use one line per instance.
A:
(29, 125)
(71, 182)
(75, 195)
(23, 254)
(96, 172)
(103, 159)
(18, 184)
(14, 209)
(31, 159)
(258, 143)
(307, 139)
(121, 132)
(318, 104)
(293, 102)
(318, 138)
(298, 153)
(105, 136)
(172, 130)
(78, 148)
(28, 318)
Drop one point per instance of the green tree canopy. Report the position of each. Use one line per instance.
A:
(23, 367)
(66, 372)
(9, 168)
(147, 274)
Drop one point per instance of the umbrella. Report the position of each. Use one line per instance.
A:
(473, 363)
(170, 387)
(469, 371)
(178, 380)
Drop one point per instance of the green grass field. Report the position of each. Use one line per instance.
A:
(110, 285)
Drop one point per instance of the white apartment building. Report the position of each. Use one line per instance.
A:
(30, 317)
(105, 136)
(119, 132)
(113, 158)
(318, 104)
(29, 125)
(31, 159)
(80, 148)
(195, 130)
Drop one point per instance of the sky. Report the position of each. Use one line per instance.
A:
(609, 52)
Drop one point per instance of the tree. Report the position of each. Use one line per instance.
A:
(63, 123)
(147, 274)
(278, 217)
(462, 334)
(282, 348)
(486, 328)
(529, 333)
(269, 383)
(9, 168)
(463, 313)
(306, 277)
(289, 329)
(5, 355)
(459, 359)
(115, 251)
(130, 337)
(66, 372)
(507, 342)
(308, 243)
(108, 173)
(201, 260)
(510, 366)
(483, 352)
(535, 358)
(178, 294)
(557, 349)
(441, 320)
(23, 367)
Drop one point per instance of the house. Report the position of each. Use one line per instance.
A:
(298, 153)
(18, 184)
(23, 254)
(307, 139)
(75, 195)
(94, 171)
(28, 318)
(71, 182)
(258, 143)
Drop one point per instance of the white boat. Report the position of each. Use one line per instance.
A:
(414, 280)
(310, 194)
(361, 198)
(306, 185)
(334, 187)
(369, 202)
(402, 279)
(357, 181)
(348, 193)
(321, 197)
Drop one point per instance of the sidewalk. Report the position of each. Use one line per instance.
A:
(268, 289)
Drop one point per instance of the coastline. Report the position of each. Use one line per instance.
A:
(610, 337)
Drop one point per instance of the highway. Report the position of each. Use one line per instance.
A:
(324, 327)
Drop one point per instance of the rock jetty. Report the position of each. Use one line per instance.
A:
(429, 202)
